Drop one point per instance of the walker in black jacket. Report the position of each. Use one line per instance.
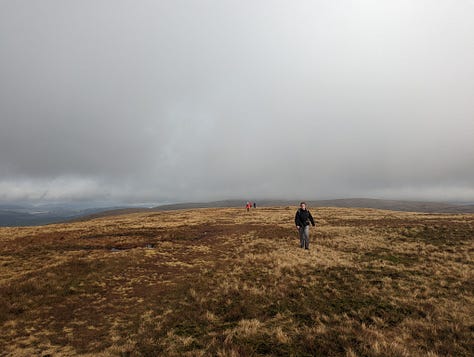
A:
(303, 219)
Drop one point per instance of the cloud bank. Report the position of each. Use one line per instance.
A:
(186, 101)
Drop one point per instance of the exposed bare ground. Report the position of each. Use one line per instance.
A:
(226, 282)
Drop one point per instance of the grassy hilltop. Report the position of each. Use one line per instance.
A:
(229, 283)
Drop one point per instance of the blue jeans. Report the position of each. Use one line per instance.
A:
(304, 237)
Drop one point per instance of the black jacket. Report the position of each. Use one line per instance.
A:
(303, 218)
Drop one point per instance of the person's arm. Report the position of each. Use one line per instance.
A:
(311, 218)
(297, 220)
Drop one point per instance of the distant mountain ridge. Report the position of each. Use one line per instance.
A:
(14, 215)
(10, 217)
(392, 205)
(397, 205)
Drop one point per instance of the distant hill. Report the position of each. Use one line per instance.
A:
(9, 217)
(392, 205)
(15, 215)
(21, 216)
(396, 205)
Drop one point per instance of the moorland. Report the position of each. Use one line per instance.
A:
(226, 282)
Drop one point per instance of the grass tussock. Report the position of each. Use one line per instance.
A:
(226, 282)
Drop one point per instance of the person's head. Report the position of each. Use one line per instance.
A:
(303, 205)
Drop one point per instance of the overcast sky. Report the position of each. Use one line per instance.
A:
(153, 101)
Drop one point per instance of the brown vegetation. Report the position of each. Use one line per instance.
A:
(228, 283)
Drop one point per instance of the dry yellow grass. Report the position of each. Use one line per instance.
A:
(230, 283)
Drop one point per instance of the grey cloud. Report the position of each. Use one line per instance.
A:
(184, 100)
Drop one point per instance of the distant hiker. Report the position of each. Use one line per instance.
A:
(247, 206)
(254, 205)
(302, 220)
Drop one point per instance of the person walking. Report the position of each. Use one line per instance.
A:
(303, 219)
